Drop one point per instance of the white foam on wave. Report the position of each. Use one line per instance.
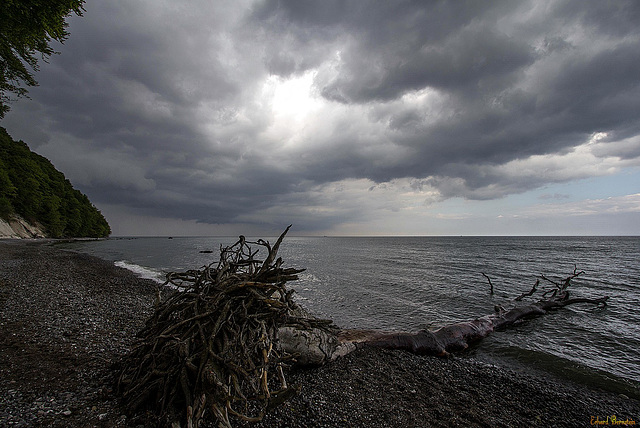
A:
(141, 271)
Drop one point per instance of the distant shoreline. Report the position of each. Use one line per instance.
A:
(66, 317)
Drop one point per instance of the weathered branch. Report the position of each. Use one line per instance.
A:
(488, 279)
(529, 293)
(459, 336)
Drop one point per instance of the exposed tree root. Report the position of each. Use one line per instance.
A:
(212, 345)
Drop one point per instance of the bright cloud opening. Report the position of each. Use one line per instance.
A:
(292, 98)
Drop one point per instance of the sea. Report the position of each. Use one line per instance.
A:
(413, 283)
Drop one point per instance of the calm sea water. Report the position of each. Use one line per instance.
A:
(410, 283)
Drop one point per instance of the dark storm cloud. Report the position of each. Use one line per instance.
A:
(470, 61)
(159, 106)
(615, 18)
(395, 47)
(118, 64)
(514, 90)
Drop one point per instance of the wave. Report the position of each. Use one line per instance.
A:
(141, 271)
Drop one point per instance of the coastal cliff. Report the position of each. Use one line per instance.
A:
(37, 200)
(16, 227)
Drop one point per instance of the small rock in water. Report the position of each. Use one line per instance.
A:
(67, 412)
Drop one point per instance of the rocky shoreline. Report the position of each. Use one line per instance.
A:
(66, 318)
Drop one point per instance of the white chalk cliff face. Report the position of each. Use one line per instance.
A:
(17, 227)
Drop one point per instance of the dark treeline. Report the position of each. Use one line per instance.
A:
(31, 187)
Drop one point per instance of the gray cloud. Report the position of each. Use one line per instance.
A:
(164, 107)
(508, 95)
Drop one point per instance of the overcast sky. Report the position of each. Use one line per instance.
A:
(347, 117)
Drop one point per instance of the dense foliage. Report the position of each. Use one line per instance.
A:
(31, 187)
(26, 30)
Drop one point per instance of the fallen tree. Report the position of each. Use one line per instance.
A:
(458, 337)
(220, 342)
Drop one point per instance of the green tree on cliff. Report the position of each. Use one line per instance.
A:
(33, 188)
(27, 28)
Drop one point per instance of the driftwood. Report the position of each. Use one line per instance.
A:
(458, 337)
(219, 343)
(211, 346)
(488, 279)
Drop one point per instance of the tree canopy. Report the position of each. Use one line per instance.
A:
(27, 28)
(33, 188)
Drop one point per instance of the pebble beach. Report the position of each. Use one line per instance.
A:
(67, 319)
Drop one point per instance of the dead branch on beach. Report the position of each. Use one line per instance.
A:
(459, 336)
(218, 345)
(211, 346)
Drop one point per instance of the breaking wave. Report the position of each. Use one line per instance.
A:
(141, 271)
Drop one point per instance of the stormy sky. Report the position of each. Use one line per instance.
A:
(347, 117)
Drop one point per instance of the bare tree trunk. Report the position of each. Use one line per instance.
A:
(318, 347)
(459, 336)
